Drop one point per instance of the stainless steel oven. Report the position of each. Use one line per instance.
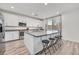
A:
(21, 32)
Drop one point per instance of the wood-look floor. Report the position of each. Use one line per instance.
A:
(69, 48)
(18, 48)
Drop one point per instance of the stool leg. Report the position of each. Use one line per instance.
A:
(44, 48)
(48, 49)
(60, 43)
(53, 47)
(56, 46)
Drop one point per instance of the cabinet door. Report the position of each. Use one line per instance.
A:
(8, 36)
(14, 35)
(10, 19)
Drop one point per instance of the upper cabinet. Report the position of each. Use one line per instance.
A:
(10, 19)
(34, 22)
(13, 20)
(22, 19)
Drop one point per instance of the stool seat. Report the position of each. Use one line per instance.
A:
(51, 38)
(59, 37)
(45, 41)
(56, 36)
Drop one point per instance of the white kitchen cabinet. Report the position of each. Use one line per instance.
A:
(10, 19)
(22, 19)
(13, 35)
(16, 35)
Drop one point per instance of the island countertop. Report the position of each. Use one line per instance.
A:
(41, 33)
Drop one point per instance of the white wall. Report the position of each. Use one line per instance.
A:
(70, 23)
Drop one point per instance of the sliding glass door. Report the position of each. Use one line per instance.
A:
(49, 27)
(54, 23)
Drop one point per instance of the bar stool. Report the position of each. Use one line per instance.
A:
(52, 43)
(58, 41)
(46, 46)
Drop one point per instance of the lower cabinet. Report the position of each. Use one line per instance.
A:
(11, 35)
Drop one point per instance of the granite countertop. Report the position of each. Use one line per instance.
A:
(15, 28)
(41, 33)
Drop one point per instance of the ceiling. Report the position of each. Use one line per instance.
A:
(39, 9)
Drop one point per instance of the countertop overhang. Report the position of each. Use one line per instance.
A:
(41, 33)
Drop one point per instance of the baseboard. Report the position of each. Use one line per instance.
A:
(11, 41)
(72, 40)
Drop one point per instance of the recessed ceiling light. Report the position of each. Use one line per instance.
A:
(12, 7)
(34, 14)
(45, 4)
(57, 12)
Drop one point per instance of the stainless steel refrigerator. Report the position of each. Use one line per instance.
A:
(2, 37)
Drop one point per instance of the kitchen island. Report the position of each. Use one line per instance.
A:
(33, 40)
